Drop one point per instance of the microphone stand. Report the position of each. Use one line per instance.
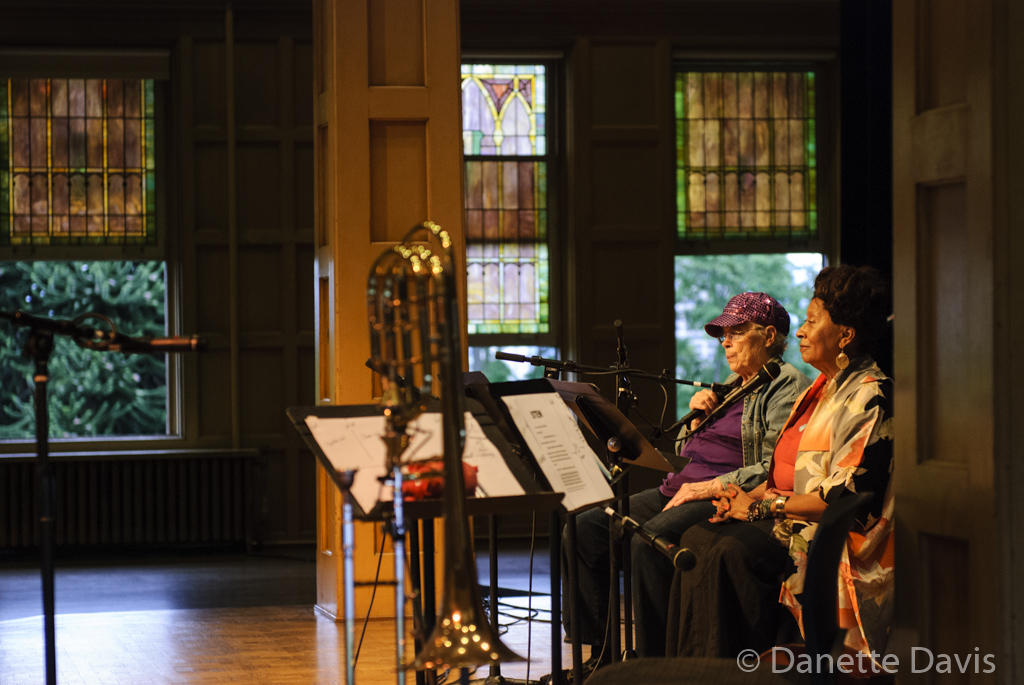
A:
(624, 401)
(39, 347)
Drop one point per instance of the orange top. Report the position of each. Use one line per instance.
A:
(780, 475)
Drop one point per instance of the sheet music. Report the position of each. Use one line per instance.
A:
(355, 444)
(550, 430)
(494, 478)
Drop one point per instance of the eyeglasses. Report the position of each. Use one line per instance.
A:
(735, 335)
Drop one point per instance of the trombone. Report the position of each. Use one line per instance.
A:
(415, 343)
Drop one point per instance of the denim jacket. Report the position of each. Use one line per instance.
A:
(764, 414)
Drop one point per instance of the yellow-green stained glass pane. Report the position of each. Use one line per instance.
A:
(503, 109)
(77, 162)
(745, 155)
(506, 246)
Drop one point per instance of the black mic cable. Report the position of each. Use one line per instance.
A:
(681, 557)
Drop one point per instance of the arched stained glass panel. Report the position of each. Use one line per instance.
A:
(506, 203)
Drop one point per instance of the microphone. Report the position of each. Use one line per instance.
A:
(147, 345)
(768, 373)
(681, 557)
(698, 413)
(509, 357)
(621, 347)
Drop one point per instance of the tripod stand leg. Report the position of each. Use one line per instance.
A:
(494, 677)
(348, 537)
(417, 593)
(614, 598)
(398, 545)
(555, 560)
(627, 580)
(574, 604)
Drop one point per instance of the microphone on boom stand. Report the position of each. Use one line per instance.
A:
(148, 345)
(620, 348)
(681, 557)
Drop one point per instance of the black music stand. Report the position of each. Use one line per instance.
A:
(491, 397)
(535, 499)
(626, 447)
(608, 432)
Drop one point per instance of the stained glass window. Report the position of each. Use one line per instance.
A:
(746, 165)
(77, 162)
(505, 146)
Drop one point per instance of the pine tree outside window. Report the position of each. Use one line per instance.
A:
(78, 186)
(509, 151)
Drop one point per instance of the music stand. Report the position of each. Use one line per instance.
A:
(534, 499)
(608, 432)
(626, 446)
(491, 396)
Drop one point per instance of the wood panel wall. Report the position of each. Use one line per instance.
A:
(247, 249)
(623, 237)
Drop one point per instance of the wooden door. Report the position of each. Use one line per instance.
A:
(956, 96)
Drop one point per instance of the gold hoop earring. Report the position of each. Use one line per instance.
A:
(842, 361)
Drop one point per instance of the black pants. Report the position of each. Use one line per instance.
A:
(730, 601)
(651, 571)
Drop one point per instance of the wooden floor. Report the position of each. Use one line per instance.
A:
(224, 618)
(292, 644)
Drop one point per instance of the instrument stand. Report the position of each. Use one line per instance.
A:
(397, 529)
(348, 545)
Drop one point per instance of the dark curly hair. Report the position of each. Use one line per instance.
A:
(855, 296)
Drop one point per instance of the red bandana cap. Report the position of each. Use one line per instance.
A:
(759, 308)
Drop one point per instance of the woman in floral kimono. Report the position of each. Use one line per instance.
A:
(838, 440)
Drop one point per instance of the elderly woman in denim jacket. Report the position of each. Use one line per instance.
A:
(735, 449)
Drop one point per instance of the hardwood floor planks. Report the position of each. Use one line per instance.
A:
(258, 645)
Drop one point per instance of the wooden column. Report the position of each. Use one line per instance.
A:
(388, 156)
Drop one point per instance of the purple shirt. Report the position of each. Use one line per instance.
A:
(716, 450)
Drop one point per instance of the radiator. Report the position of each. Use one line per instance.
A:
(197, 499)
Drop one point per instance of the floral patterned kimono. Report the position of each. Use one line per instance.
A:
(847, 446)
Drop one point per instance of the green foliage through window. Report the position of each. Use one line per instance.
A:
(91, 394)
(704, 285)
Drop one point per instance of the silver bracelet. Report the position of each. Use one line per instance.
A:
(780, 506)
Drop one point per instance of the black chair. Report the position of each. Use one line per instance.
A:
(822, 635)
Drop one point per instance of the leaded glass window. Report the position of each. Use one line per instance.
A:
(506, 201)
(77, 162)
(746, 162)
